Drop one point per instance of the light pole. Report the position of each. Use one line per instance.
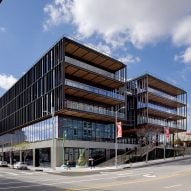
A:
(116, 144)
(53, 135)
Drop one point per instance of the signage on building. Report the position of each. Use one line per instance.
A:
(167, 132)
(119, 129)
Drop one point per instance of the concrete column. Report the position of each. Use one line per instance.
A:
(107, 154)
(59, 154)
(53, 154)
(10, 157)
(86, 155)
(2, 153)
(20, 155)
(33, 156)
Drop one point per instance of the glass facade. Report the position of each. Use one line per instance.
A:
(41, 131)
(69, 128)
(78, 129)
(72, 154)
(36, 132)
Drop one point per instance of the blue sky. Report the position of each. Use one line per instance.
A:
(147, 35)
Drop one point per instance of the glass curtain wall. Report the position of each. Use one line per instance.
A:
(77, 129)
(37, 132)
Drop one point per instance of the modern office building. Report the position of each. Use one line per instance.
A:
(155, 105)
(65, 104)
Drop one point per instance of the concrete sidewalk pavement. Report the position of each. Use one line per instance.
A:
(119, 167)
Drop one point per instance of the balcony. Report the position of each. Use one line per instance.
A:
(155, 110)
(94, 89)
(163, 97)
(93, 69)
(159, 122)
(92, 109)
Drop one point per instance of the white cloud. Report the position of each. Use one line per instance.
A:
(184, 57)
(181, 34)
(58, 12)
(139, 22)
(130, 59)
(6, 81)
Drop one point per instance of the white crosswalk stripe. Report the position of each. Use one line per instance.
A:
(11, 173)
(21, 173)
(27, 173)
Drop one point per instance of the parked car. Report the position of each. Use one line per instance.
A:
(20, 165)
(3, 163)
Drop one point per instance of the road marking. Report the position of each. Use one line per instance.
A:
(107, 185)
(173, 186)
(12, 182)
(27, 173)
(149, 175)
(11, 173)
(124, 174)
(182, 173)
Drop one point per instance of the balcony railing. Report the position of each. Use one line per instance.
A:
(162, 94)
(92, 109)
(162, 123)
(93, 68)
(94, 89)
(160, 108)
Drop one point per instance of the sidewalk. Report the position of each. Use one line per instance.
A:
(100, 169)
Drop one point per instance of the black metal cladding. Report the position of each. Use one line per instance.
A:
(39, 89)
(43, 85)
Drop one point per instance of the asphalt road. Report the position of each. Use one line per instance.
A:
(164, 177)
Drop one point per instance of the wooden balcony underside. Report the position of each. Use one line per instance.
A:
(91, 96)
(92, 76)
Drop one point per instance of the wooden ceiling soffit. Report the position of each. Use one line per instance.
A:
(71, 48)
(80, 52)
(90, 56)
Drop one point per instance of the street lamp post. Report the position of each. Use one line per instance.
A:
(116, 144)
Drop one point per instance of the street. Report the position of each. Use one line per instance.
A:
(165, 177)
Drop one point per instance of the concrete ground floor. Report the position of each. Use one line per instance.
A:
(54, 153)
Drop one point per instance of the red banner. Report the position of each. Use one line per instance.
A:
(167, 132)
(119, 129)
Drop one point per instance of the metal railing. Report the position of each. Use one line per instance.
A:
(94, 89)
(161, 94)
(92, 108)
(93, 68)
(160, 108)
(142, 120)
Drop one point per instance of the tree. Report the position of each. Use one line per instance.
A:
(24, 149)
(178, 142)
(81, 160)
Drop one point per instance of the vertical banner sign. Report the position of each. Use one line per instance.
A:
(167, 132)
(119, 129)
